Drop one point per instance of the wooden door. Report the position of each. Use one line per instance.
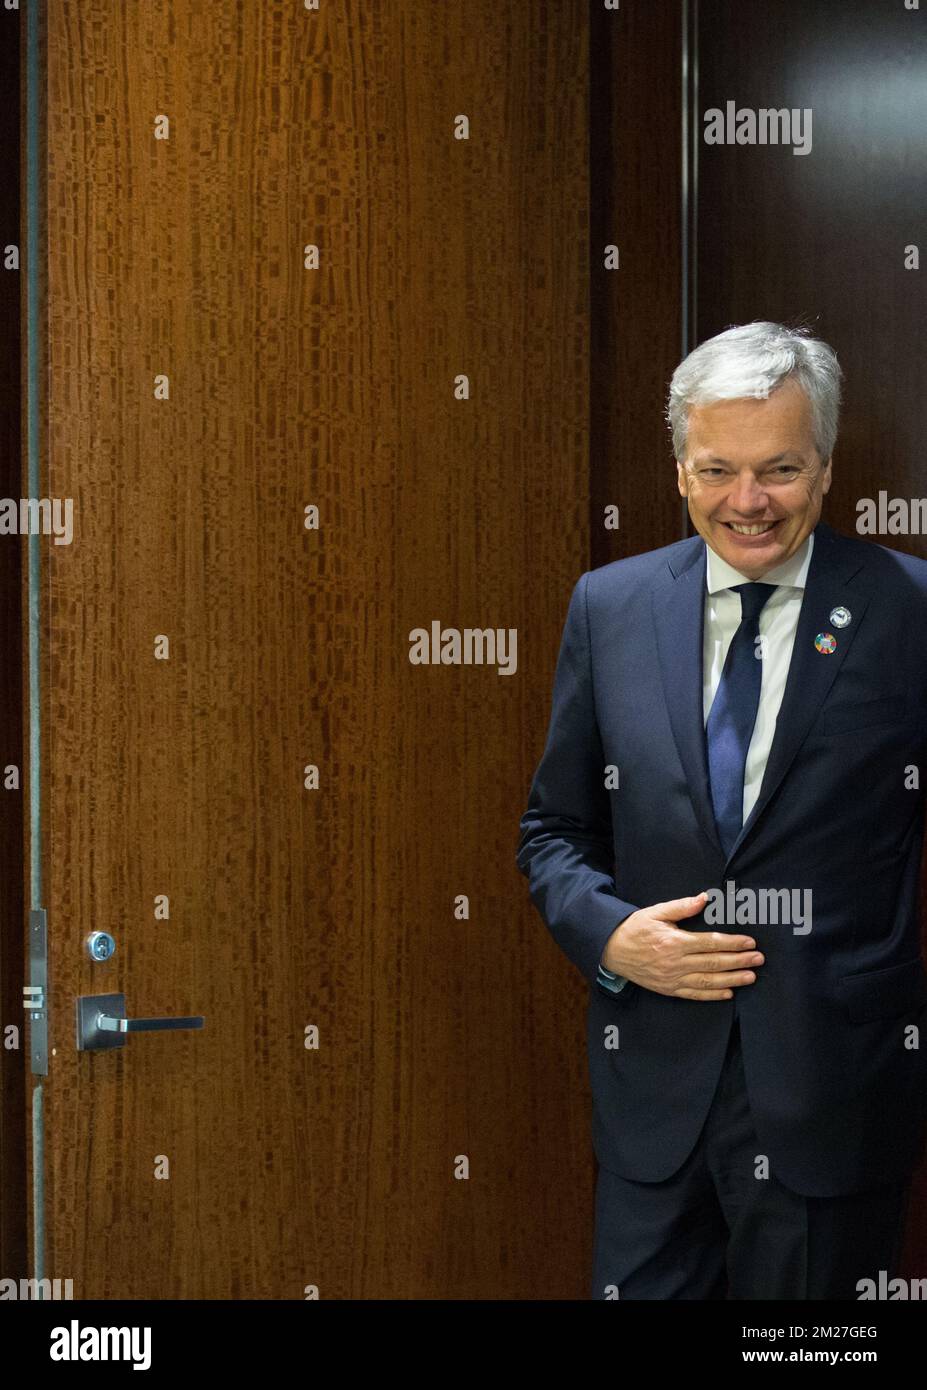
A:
(245, 781)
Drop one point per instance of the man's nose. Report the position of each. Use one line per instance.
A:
(746, 495)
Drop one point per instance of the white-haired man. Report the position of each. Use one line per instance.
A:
(724, 835)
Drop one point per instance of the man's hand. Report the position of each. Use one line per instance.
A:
(647, 949)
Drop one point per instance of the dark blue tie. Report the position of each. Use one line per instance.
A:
(733, 714)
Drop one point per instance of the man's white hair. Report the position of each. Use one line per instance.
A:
(752, 360)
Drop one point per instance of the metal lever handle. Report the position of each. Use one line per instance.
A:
(102, 1022)
(110, 1024)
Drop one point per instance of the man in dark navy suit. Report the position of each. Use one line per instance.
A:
(724, 835)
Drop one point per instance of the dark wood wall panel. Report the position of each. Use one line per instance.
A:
(335, 907)
(13, 1062)
(636, 191)
(821, 237)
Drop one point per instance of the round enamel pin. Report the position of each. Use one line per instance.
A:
(826, 642)
(840, 616)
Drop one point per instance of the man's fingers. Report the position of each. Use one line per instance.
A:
(725, 979)
(703, 994)
(698, 941)
(677, 908)
(716, 963)
(725, 960)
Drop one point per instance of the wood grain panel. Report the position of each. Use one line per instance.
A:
(292, 1167)
(820, 237)
(13, 1060)
(635, 160)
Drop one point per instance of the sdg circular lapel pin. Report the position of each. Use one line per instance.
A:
(826, 643)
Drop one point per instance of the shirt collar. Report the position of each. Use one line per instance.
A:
(794, 571)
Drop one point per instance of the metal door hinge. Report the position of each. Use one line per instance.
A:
(35, 994)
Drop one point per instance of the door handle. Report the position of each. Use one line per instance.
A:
(102, 1022)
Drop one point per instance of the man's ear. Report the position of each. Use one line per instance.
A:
(825, 486)
(682, 481)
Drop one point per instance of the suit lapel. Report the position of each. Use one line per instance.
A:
(834, 565)
(678, 609)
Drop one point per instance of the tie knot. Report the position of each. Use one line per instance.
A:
(752, 598)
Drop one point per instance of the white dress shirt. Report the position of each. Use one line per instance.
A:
(778, 625)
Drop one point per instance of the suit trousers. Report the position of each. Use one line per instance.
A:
(718, 1229)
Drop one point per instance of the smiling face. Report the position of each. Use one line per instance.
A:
(753, 478)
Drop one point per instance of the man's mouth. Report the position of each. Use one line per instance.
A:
(756, 529)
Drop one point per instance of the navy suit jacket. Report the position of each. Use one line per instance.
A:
(836, 1074)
